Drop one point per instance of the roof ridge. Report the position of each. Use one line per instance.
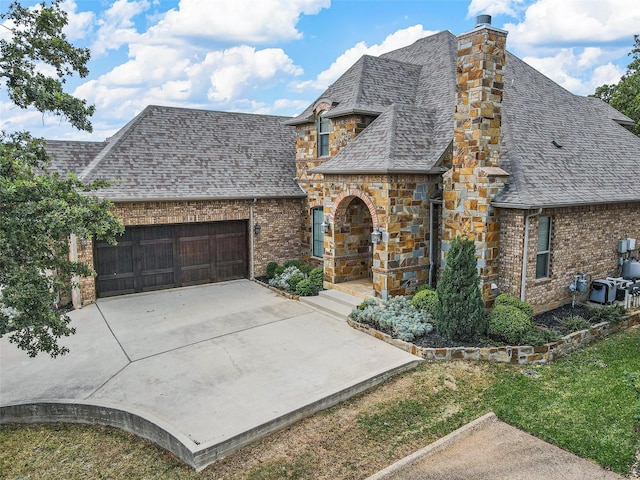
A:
(361, 79)
(112, 143)
(392, 129)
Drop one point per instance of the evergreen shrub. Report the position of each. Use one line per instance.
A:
(271, 269)
(426, 301)
(509, 324)
(506, 299)
(460, 312)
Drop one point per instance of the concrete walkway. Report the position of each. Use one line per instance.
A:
(201, 371)
(488, 448)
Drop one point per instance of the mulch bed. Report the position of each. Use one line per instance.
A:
(550, 320)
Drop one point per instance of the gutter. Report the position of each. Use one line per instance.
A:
(196, 199)
(525, 206)
(430, 171)
(525, 248)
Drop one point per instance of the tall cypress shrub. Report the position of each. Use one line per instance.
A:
(460, 312)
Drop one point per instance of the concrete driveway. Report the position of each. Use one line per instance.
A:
(201, 370)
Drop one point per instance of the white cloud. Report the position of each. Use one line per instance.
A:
(570, 21)
(237, 68)
(398, 39)
(80, 24)
(116, 27)
(244, 21)
(578, 73)
(494, 7)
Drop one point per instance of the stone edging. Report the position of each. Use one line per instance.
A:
(277, 290)
(523, 354)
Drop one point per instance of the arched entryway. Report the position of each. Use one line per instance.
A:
(353, 252)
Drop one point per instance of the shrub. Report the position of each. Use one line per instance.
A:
(278, 271)
(509, 324)
(271, 269)
(305, 288)
(281, 280)
(613, 314)
(397, 315)
(422, 287)
(510, 300)
(574, 323)
(306, 268)
(317, 277)
(426, 301)
(540, 336)
(460, 312)
(294, 280)
(293, 263)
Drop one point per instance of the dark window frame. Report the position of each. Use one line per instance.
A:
(323, 125)
(543, 247)
(317, 235)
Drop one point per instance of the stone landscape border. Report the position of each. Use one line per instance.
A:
(520, 354)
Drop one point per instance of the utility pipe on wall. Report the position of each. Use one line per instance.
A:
(432, 209)
(251, 240)
(525, 248)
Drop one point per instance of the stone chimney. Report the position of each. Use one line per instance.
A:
(476, 177)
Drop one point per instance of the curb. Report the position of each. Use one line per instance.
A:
(436, 446)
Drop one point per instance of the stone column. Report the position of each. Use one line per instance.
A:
(476, 177)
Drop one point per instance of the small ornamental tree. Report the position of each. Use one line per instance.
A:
(460, 312)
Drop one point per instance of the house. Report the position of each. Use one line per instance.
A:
(448, 136)
(204, 196)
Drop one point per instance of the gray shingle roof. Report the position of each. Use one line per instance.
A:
(168, 153)
(598, 163)
(70, 156)
(400, 140)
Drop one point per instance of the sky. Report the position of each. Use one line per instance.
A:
(278, 56)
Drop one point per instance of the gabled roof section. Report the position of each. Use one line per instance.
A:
(400, 140)
(168, 153)
(561, 148)
(368, 87)
(70, 156)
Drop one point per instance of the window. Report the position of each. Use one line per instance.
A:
(316, 232)
(544, 247)
(323, 135)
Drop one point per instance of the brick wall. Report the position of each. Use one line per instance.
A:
(279, 219)
(584, 239)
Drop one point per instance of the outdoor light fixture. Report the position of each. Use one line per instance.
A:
(83, 242)
(257, 229)
(326, 226)
(376, 235)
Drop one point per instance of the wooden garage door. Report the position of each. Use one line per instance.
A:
(168, 256)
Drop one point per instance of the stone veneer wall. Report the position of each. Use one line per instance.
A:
(584, 239)
(399, 206)
(279, 239)
(475, 177)
(344, 130)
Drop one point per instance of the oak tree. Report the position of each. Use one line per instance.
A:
(40, 210)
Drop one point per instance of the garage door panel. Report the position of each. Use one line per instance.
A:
(115, 266)
(166, 256)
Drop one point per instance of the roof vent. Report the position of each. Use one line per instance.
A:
(556, 144)
(483, 20)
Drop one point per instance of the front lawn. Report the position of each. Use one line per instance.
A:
(581, 403)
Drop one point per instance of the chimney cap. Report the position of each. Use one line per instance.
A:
(482, 20)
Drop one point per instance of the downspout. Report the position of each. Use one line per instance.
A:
(431, 252)
(251, 240)
(73, 256)
(525, 248)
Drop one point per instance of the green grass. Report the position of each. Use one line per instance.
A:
(584, 403)
(580, 403)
